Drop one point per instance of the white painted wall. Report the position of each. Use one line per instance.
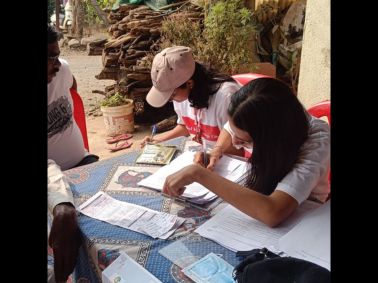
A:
(314, 77)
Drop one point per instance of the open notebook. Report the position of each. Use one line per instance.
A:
(230, 168)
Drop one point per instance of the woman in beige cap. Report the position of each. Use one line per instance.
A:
(200, 96)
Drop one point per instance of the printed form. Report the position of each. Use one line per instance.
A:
(311, 238)
(237, 231)
(131, 216)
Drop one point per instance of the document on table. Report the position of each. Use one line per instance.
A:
(237, 231)
(227, 167)
(310, 238)
(131, 216)
(125, 269)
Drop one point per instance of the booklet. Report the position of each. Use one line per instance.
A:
(156, 154)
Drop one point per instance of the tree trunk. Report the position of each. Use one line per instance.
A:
(77, 18)
(100, 12)
(57, 14)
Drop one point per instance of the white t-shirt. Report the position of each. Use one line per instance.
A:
(309, 176)
(211, 119)
(65, 142)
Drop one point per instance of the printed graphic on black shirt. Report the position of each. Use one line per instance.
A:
(59, 116)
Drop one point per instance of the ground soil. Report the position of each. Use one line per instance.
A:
(84, 68)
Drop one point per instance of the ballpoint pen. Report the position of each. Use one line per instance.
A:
(153, 131)
(204, 152)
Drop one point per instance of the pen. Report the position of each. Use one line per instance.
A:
(153, 131)
(204, 152)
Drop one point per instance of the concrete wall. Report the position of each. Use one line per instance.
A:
(314, 75)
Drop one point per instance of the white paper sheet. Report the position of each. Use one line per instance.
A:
(310, 238)
(134, 217)
(237, 231)
(124, 269)
(227, 167)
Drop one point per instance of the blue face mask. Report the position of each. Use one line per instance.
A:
(210, 269)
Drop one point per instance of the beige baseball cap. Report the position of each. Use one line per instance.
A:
(172, 67)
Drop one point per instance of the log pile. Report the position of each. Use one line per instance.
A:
(127, 56)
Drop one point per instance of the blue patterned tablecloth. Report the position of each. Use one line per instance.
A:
(104, 241)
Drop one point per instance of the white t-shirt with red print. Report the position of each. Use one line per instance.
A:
(209, 121)
(65, 142)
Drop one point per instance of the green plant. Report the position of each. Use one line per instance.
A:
(115, 100)
(178, 30)
(91, 16)
(228, 34)
(223, 41)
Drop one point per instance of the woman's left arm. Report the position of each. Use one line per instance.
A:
(271, 210)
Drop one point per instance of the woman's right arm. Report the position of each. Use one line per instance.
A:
(178, 131)
(223, 145)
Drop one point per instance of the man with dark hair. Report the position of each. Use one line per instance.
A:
(65, 142)
(65, 150)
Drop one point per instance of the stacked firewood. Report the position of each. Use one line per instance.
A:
(127, 57)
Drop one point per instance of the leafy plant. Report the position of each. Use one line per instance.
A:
(115, 100)
(91, 16)
(223, 41)
(228, 33)
(178, 30)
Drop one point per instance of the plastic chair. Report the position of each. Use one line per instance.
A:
(321, 109)
(243, 79)
(79, 115)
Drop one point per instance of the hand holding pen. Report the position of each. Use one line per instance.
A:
(210, 159)
(149, 138)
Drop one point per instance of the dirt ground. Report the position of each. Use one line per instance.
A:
(84, 68)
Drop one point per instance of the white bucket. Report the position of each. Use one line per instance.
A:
(119, 119)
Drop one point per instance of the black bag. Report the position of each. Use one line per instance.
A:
(264, 266)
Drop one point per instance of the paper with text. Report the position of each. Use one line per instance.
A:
(237, 231)
(131, 216)
(310, 238)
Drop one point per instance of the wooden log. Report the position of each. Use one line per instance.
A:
(138, 76)
(118, 33)
(136, 55)
(119, 41)
(126, 62)
(142, 45)
(141, 69)
(108, 73)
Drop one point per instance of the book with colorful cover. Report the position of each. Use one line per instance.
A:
(156, 154)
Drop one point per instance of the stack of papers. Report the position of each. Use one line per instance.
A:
(305, 234)
(131, 216)
(230, 168)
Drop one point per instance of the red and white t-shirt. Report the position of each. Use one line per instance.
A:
(209, 121)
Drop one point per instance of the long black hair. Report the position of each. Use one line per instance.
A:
(272, 115)
(206, 82)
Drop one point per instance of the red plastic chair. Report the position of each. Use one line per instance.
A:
(321, 109)
(79, 115)
(243, 79)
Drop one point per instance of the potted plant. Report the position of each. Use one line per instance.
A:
(118, 113)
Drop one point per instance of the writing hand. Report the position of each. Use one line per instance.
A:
(146, 140)
(215, 155)
(65, 240)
